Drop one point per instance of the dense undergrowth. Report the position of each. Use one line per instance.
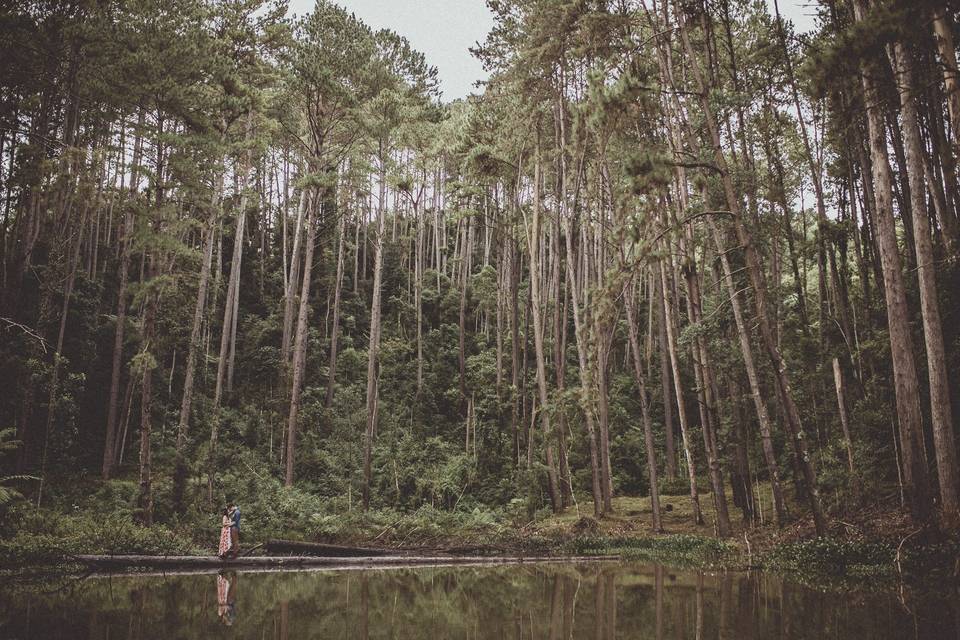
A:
(95, 517)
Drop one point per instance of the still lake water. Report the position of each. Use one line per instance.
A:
(601, 601)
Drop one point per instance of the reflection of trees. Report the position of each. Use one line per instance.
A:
(555, 602)
(658, 603)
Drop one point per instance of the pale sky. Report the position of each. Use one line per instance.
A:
(445, 29)
(442, 30)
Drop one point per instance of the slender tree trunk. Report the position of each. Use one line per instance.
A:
(586, 379)
(230, 318)
(145, 485)
(533, 244)
(290, 286)
(746, 350)
(740, 476)
(126, 237)
(418, 303)
(335, 329)
(668, 424)
(678, 389)
(300, 344)
(515, 418)
(466, 248)
(940, 409)
(559, 363)
(844, 420)
(757, 279)
(644, 412)
(72, 259)
(906, 383)
(701, 368)
(180, 470)
(373, 350)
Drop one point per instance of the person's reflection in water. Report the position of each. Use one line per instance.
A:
(227, 597)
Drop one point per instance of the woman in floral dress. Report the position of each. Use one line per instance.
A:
(224, 548)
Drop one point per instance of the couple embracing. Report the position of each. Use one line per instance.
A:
(229, 532)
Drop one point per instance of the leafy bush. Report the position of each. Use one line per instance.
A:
(831, 557)
(681, 548)
(680, 486)
(62, 536)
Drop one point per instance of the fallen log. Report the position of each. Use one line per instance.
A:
(141, 561)
(327, 550)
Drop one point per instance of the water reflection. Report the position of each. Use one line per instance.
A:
(227, 597)
(603, 601)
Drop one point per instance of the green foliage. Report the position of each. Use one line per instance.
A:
(49, 538)
(824, 558)
(677, 549)
(680, 486)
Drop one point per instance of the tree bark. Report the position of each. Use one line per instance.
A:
(943, 35)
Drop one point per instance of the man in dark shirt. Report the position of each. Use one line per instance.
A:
(234, 529)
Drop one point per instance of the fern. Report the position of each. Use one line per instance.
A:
(7, 493)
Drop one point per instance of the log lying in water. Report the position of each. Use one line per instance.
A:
(326, 550)
(129, 561)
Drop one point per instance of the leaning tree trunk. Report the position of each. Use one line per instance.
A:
(229, 318)
(701, 368)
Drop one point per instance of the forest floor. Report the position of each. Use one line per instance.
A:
(633, 517)
(873, 544)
